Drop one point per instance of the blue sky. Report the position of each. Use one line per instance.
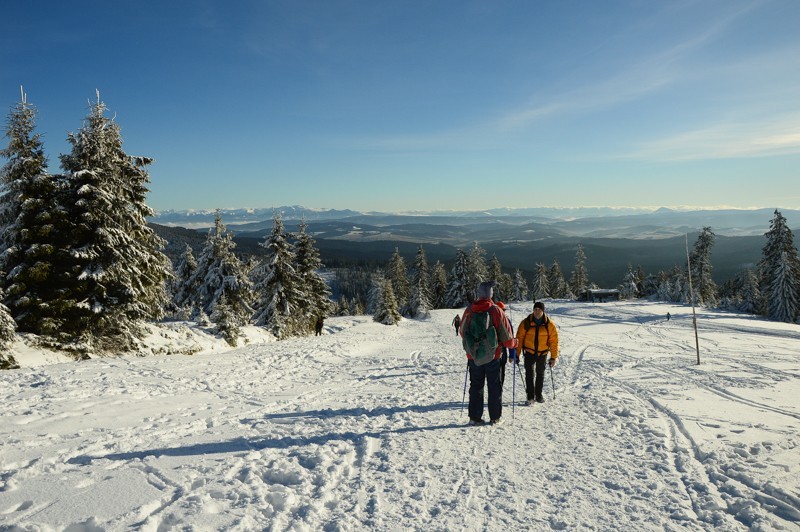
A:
(403, 105)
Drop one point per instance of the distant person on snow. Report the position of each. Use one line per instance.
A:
(318, 326)
(507, 353)
(668, 316)
(537, 336)
(484, 332)
(457, 323)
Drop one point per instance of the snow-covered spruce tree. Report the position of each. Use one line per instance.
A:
(119, 269)
(397, 274)
(649, 286)
(26, 165)
(7, 328)
(225, 321)
(505, 287)
(420, 305)
(316, 300)
(375, 294)
(579, 279)
(700, 258)
(342, 306)
(495, 269)
(438, 285)
(628, 289)
(750, 294)
(33, 230)
(779, 269)
(280, 293)
(459, 293)
(219, 272)
(387, 312)
(680, 285)
(477, 271)
(519, 290)
(555, 281)
(640, 278)
(183, 291)
(541, 283)
(783, 301)
(664, 292)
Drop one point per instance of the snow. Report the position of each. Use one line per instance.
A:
(363, 428)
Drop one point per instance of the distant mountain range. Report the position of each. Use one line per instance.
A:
(612, 237)
(506, 224)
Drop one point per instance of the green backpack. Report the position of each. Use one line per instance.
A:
(480, 338)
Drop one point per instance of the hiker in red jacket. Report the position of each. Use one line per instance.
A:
(483, 341)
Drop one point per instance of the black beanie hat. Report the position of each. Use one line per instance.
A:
(539, 304)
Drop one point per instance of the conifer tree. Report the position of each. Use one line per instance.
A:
(640, 278)
(342, 306)
(280, 294)
(459, 293)
(183, 291)
(438, 285)
(32, 227)
(541, 283)
(420, 304)
(227, 324)
(505, 287)
(477, 271)
(649, 286)
(495, 268)
(783, 301)
(315, 301)
(751, 301)
(520, 289)
(7, 328)
(700, 258)
(375, 295)
(26, 166)
(387, 312)
(219, 272)
(397, 274)
(555, 281)
(628, 289)
(579, 280)
(779, 269)
(118, 271)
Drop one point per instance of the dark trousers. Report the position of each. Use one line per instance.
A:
(490, 375)
(534, 391)
(503, 362)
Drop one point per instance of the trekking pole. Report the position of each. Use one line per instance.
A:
(514, 391)
(463, 397)
(552, 382)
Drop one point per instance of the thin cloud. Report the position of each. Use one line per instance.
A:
(646, 76)
(726, 141)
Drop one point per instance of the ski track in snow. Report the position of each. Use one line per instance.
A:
(363, 427)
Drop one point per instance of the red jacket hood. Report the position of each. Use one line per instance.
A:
(481, 305)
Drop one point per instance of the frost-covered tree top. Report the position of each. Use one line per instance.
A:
(26, 164)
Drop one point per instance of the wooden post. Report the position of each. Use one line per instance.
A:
(691, 296)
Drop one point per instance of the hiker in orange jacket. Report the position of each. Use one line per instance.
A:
(487, 372)
(537, 336)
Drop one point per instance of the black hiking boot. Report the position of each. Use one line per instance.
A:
(540, 399)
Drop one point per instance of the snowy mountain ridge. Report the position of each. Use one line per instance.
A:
(595, 222)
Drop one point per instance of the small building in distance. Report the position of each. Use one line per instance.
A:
(601, 295)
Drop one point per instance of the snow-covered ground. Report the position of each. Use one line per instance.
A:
(363, 428)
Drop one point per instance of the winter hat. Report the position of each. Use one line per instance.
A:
(539, 304)
(484, 290)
